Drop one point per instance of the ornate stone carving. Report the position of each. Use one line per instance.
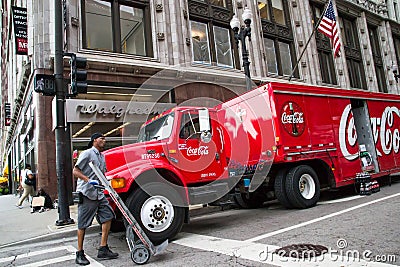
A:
(270, 28)
(352, 53)
(200, 9)
(222, 14)
(161, 36)
(159, 7)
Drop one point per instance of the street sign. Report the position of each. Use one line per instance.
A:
(44, 84)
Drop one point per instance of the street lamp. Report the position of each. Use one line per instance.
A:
(245, 31)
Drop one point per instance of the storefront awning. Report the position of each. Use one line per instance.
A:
(5, 170)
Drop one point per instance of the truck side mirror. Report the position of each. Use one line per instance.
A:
(205, 127)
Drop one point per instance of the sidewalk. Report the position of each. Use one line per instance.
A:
(19, 226)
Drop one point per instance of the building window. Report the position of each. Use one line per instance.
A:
(270, 53)
(221, 3)
(396, 40)
(210, 32)
(278, 37)
(378, 61)
(324, 49)
(352, 52)
(117, 26)
(396, 12)
(223, 46)
(200, 42)
(272, 10)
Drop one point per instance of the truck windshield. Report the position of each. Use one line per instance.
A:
(158, 129)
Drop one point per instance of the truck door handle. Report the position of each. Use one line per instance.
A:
(217, 157)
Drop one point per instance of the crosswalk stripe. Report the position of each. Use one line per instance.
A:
(71, 250)
(34, 253)
(50, 261)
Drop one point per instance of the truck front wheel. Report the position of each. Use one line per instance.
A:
(302, 186)
(152, 206)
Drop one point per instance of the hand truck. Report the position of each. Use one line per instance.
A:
(139, 243)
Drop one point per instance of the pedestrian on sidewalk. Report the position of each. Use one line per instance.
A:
(93, 201)
(45, 201)
(27, 182)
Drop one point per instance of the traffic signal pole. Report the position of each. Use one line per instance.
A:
(60, 131)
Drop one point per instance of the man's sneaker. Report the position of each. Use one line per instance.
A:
(81, 258)
(106, 253)
(18, 206)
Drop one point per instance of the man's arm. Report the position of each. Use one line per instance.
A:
(78, 173)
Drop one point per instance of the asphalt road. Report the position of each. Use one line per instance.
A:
(355, 230)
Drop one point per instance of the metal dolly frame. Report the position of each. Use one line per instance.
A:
(139, 243)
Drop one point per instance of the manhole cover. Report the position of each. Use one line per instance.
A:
(301, 251)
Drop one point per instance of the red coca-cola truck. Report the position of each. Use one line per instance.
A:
(281, 140)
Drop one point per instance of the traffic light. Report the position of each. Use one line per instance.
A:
(78, 75)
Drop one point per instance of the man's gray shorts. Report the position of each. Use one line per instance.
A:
(90, 208)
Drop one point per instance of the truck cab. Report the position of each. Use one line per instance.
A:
(177, 155)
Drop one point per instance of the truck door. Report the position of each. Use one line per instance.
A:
(198, 161)
(365, 136)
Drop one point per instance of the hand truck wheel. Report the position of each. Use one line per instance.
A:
(140, 254)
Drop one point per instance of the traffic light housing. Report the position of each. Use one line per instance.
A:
(78, 75)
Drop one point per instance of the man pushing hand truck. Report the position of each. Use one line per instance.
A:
(139, 243)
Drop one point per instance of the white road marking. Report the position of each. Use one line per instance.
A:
(69, 248)
(50, 261)
(264, 253)
(34, 253)
(241, 249)
(257, 238)
(340, 200)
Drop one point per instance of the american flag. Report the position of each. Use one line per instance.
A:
(328, 26)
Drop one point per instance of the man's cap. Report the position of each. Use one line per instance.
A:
(93, 137)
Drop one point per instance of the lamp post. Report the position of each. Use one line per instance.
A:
(241, 32)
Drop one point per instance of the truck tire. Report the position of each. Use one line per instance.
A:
(155, 213)
(302, 187)
(280, 189)
(250, 201)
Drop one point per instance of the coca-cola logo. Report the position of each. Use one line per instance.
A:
(292, 118)
(386, 134)
(197, 151)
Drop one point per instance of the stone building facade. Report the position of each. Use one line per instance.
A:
(176, 52)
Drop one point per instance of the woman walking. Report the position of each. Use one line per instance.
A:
(27, 182)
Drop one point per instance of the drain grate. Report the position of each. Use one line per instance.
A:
(301, 251)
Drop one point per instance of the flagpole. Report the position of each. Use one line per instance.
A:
(309, 39)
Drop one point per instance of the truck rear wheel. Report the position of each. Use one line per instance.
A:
(302, 187)
(280, 189)
(158, 217)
